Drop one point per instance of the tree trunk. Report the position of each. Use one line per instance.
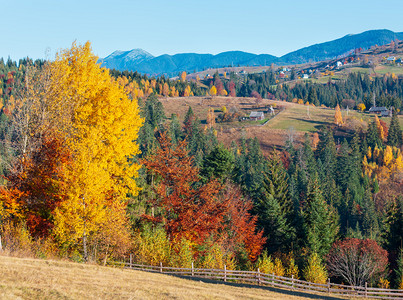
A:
(85, 246)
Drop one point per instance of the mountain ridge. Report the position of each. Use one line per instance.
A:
(143, 62)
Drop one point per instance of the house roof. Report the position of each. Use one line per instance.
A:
(256, 114)
(378, 109)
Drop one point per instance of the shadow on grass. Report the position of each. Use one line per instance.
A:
(267, 288)
(319, 123)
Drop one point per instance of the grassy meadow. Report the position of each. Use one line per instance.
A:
(43, 279)
(274, 133)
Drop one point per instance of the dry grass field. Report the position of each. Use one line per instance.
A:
(44, 279)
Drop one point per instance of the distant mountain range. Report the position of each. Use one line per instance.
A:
(144, 62)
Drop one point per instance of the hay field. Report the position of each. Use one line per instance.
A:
(43, 279)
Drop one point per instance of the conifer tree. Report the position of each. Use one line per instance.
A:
(189, 120)
(320, 220)
(395, 132)
(217, 164)
(313, 97)
(394, 219)
(373, 138)
(175, 131)
(275, 208)
(370, 222)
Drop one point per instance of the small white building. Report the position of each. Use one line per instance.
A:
(339, 64)
(305, 76)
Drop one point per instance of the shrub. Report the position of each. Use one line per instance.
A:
(182, 254)
(314, 271)
(152, 246)
(357, 261)
(16, 240)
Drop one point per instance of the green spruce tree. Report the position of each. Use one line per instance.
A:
(395, 132)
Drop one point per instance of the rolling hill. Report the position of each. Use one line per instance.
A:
(143, 62)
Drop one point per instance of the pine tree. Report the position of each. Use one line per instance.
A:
(153, 112)
(395, 132)
(320, 221)
(249, 167)
(313, 97)
(373, 138)
(189, 120)
(370, 222)
(217, 164)
(394, 219)
(175, 131)
(274, 207)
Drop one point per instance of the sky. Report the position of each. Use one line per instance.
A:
(40, 28)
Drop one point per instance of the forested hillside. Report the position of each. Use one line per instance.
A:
(94, 169)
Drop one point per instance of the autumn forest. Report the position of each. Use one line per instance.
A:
(93, 170)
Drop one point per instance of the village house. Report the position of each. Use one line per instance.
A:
(383, 111)
(256, 115)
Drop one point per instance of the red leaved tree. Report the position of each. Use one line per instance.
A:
(39, 183)
(240, 225)
(199, 211)
(194, 213)
(232, 91)
(357, 261)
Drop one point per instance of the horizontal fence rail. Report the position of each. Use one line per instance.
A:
(257, 277)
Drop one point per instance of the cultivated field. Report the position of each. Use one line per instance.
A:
(42, 279)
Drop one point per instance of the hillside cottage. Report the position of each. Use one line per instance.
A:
(256, 115)
(379, 110)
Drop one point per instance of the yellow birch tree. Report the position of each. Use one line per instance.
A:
(338, 119)
(100, 125)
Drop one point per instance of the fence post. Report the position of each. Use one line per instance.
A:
(366, 290)
(258, 276)
(131, 261)
(292, 281)
(160, 267)
(328, 285)
(193, 272)
(272, 277)
(225, 273)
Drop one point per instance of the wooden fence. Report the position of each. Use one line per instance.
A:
(257, 277)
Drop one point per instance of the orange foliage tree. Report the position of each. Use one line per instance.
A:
(183, 76)
(199, 212)
(338, 119)
(35, 190)
(213, 91)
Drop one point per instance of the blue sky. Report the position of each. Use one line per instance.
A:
(178, 26)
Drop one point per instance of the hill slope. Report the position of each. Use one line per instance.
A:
(143, 62)
(332, 49)
(42, 279)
